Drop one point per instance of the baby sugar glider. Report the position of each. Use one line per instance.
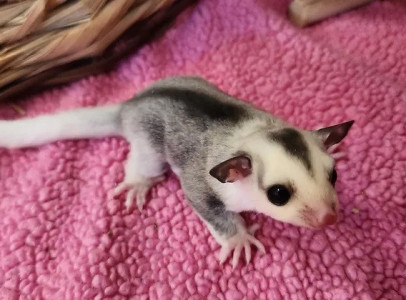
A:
(230, 156)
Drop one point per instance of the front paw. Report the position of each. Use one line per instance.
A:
(243, 239)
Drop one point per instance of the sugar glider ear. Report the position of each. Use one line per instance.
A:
(334, 134)
(232, 170)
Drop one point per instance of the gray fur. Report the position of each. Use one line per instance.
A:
(188, 119)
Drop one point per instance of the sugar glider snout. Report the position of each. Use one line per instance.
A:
(327, 217)
(322, 216)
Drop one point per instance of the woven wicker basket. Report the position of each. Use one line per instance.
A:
(49, 42)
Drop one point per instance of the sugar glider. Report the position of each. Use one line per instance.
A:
(230, 156)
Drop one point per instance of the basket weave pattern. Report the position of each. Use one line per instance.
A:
(38, 36)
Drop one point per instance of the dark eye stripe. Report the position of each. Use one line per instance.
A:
(294, 144)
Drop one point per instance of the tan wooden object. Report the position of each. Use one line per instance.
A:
(306, 12)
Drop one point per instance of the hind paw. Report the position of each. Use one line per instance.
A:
(137, 189)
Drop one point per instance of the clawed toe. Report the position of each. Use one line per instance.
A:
(239, 242)
(139, 192)
(130, 198)
(138, 189)
(119, 189)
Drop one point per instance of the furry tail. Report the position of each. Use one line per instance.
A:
(75, 124)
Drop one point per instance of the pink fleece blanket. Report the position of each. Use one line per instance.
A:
(62, 238)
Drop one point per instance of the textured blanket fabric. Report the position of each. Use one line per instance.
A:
(61, 237)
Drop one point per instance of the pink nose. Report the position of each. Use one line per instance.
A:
(328, 219)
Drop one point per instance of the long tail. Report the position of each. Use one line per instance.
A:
(75, 124)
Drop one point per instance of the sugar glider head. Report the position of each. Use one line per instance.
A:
(286, 174)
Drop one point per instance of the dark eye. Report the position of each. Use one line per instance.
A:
(278, 195)
(333, 177)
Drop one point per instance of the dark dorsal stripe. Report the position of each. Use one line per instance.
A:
(198, 104)
(294, 144)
